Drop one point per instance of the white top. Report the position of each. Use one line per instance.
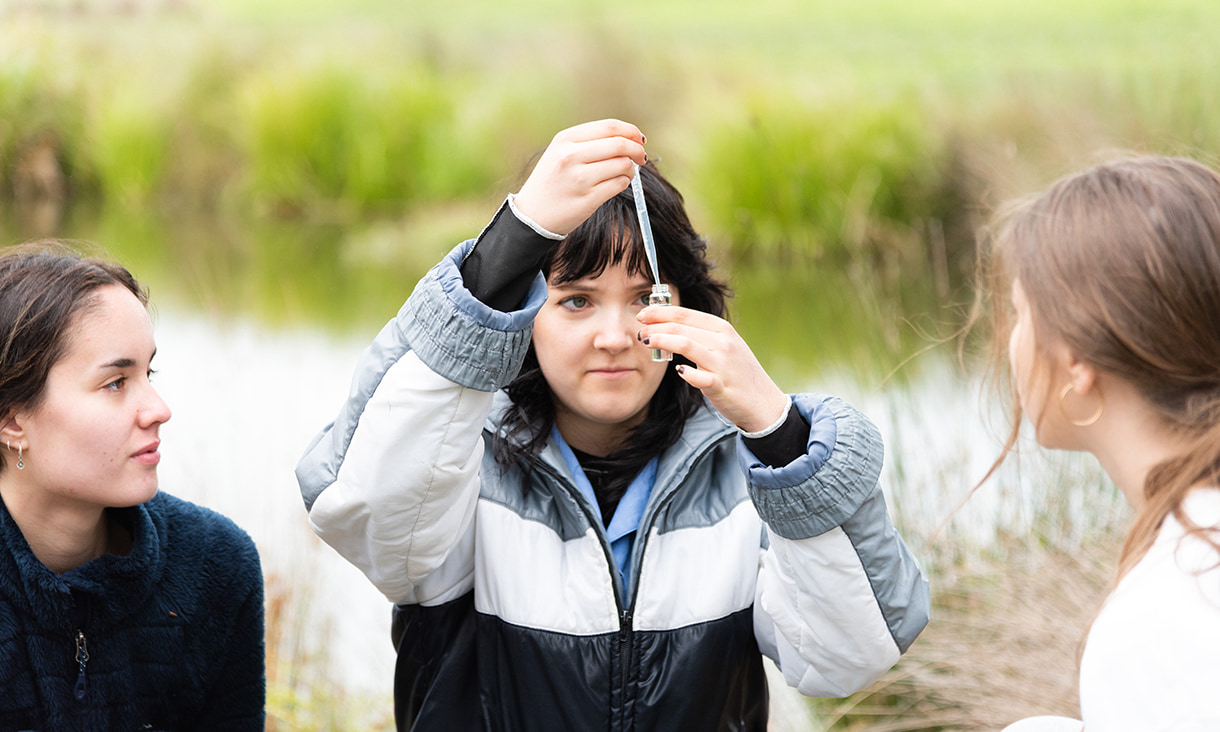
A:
(1152, 660)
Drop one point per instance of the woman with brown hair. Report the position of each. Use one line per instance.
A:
(1114, 349)
(120, 607)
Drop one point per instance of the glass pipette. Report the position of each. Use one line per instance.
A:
(660, 292)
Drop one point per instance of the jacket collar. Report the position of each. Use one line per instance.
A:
(120, 584)
(704, 429)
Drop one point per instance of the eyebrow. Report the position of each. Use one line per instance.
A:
(124, 363)
(590, 283)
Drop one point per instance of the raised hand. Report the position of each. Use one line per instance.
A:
(726, 370)
(582, 168)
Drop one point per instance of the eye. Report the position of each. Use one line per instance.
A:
(117, 384)
(575, 302)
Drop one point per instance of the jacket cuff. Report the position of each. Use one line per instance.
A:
(823, 488)
(461, 338)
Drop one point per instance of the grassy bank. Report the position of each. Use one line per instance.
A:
(1002, 646)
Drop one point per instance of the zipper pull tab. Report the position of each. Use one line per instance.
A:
(82, 655)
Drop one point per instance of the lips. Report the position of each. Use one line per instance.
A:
(612, 373)
(148, 454)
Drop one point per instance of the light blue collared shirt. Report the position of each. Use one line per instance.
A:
(628, 513)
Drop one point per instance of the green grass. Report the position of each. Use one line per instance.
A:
(795, 177)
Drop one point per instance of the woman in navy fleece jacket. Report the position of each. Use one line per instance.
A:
(120, 608)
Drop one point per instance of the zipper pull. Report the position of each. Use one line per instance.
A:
(82, 655)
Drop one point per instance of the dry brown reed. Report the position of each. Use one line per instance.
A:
(1002, 645)
(304, 691)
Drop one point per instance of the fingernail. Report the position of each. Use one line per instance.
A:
(646, 341)
(644, 138)
(639, 336)
(680, 369)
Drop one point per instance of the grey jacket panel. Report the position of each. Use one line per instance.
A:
(898, 581)
(459, 337)
(844, 492)
(456, 336)
(806, 498)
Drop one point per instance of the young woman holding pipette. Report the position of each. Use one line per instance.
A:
(576, 536)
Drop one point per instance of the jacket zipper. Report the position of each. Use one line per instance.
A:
(625, 603)
(82, 657)
(626, 632)
(624, 650)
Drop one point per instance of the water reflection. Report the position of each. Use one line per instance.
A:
(246, 401)
(866, 312)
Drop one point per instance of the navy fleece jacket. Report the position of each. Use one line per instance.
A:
(169, 637)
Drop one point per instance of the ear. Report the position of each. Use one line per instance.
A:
(11, 429)
(1082, 375)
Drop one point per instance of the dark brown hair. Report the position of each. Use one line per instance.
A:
(1121, 263)
(44, 287)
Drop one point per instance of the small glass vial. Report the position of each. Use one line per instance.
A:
(660, 296)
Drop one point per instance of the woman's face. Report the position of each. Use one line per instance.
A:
(601, 377)
(93, 438)
(1033, 372)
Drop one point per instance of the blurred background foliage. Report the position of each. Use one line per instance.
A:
(358, 140)
(302, 162)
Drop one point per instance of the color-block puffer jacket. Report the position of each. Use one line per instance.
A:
(510, 612)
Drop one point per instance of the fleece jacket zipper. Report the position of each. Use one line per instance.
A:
(82, 658)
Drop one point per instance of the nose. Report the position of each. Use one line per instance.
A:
(616, 330)
(153, 410)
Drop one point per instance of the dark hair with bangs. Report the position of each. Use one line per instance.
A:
(610, 237)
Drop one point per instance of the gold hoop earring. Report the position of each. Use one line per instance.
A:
(1091, 419)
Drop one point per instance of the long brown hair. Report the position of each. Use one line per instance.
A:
(1121, 262)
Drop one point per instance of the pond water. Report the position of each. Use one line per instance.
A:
(258, 331)
(246, 401)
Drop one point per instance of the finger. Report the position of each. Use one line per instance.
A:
(676, 314)
(602, 128)
(701, 380)
(705, 358)
(609, 188)
(600, 170)
(602, 149)
(689, 332)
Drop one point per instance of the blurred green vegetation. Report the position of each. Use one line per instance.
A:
(304, 162)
